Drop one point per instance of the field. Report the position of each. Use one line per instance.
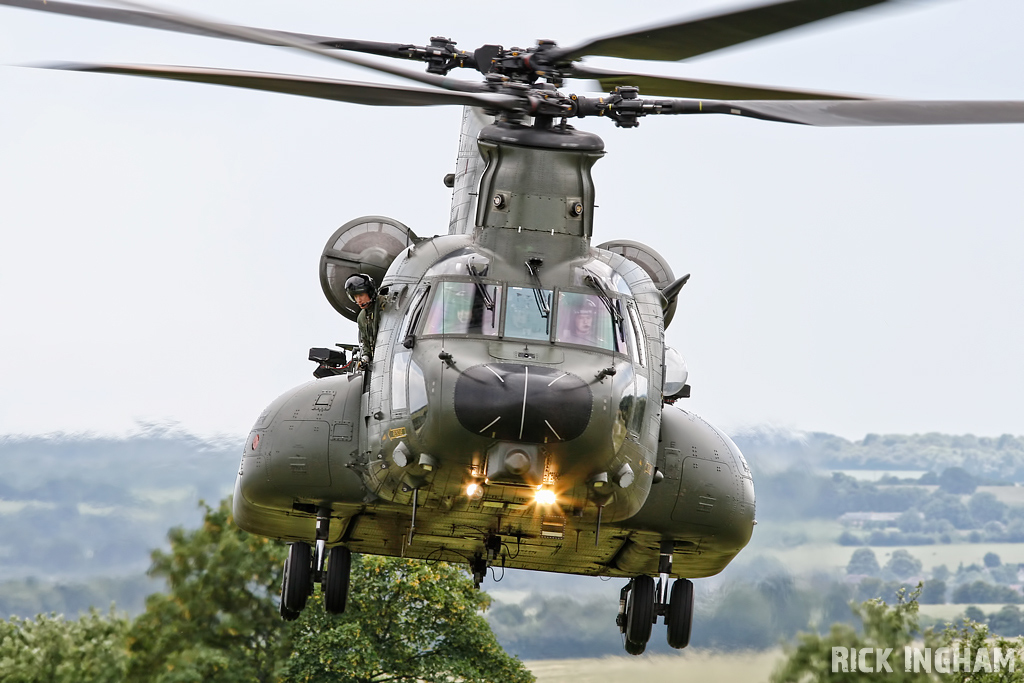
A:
(752, 667)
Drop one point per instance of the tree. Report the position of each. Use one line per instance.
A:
(991, 560)
(934, 592)
(884, 627)
(985, 593)
(863, 561)
(406, 620)
(903, 565)
(985, 507)
(1007, 622)
(910, 522)
(974, 637)
(957, 480)
(947, 506)
(895, 627)
(52, 649)
(219, 620)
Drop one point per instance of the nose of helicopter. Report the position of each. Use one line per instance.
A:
(526, 403)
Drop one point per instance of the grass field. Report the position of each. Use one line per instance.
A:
(697, 665)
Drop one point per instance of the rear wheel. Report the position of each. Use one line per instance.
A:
(635, 648)
(679, 617)
(296, 585)
(339, 563)
(640, 611)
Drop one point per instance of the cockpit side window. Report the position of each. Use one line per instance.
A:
(412, 316)
(585, 319)
(638, 336)
(528, 313)
(464, 308)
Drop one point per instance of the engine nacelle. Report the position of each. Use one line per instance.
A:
(705, 501)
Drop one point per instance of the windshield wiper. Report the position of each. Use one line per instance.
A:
(488, 301)
(533, 265)
(592, 281)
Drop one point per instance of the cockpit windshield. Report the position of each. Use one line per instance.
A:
(529, 313)
(464, 308)
(585, 319)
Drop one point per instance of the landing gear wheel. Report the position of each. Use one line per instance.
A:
(339, 562)
(640, 611)
(295, 587)
(635, 648)
(679, 617)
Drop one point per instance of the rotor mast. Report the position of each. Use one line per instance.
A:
(537, 180)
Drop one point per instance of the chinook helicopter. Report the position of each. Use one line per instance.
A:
(517, 410)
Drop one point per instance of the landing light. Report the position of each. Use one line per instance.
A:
(545, 497)
(474, 490)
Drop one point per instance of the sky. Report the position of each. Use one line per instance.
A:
(161, 240)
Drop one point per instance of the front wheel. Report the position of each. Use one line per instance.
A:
(339, 563)
(298, 572)
(640, 610)
(679, 618)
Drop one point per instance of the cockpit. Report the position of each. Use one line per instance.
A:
(593, 319)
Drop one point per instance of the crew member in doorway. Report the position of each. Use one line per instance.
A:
(363, 293)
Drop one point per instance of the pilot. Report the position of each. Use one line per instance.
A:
(581, 329)
(363, 293)
(463, 310)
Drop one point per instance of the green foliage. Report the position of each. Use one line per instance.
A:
(983, 592)
(52, 649)
(863, 561)
(1008, 621)
(933, 592)
(406, 621)
(985, 507)
(991, 560)
(903, 565)
(910, 522)
(957, 480)
(972, 613)
(894, 627)
(219, 619)
(944, 505)
(883, 627)
(874, 588)
(970, 634)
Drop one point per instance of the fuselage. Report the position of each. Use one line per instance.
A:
(515, 393)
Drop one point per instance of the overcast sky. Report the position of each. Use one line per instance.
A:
(161, 240)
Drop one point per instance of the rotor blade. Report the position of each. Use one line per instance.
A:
(866, 112)
(157, 21)
(686, 39)
(667, 86)
(322, 88)
(259, 36)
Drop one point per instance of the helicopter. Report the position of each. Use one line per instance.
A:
(420, 453)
